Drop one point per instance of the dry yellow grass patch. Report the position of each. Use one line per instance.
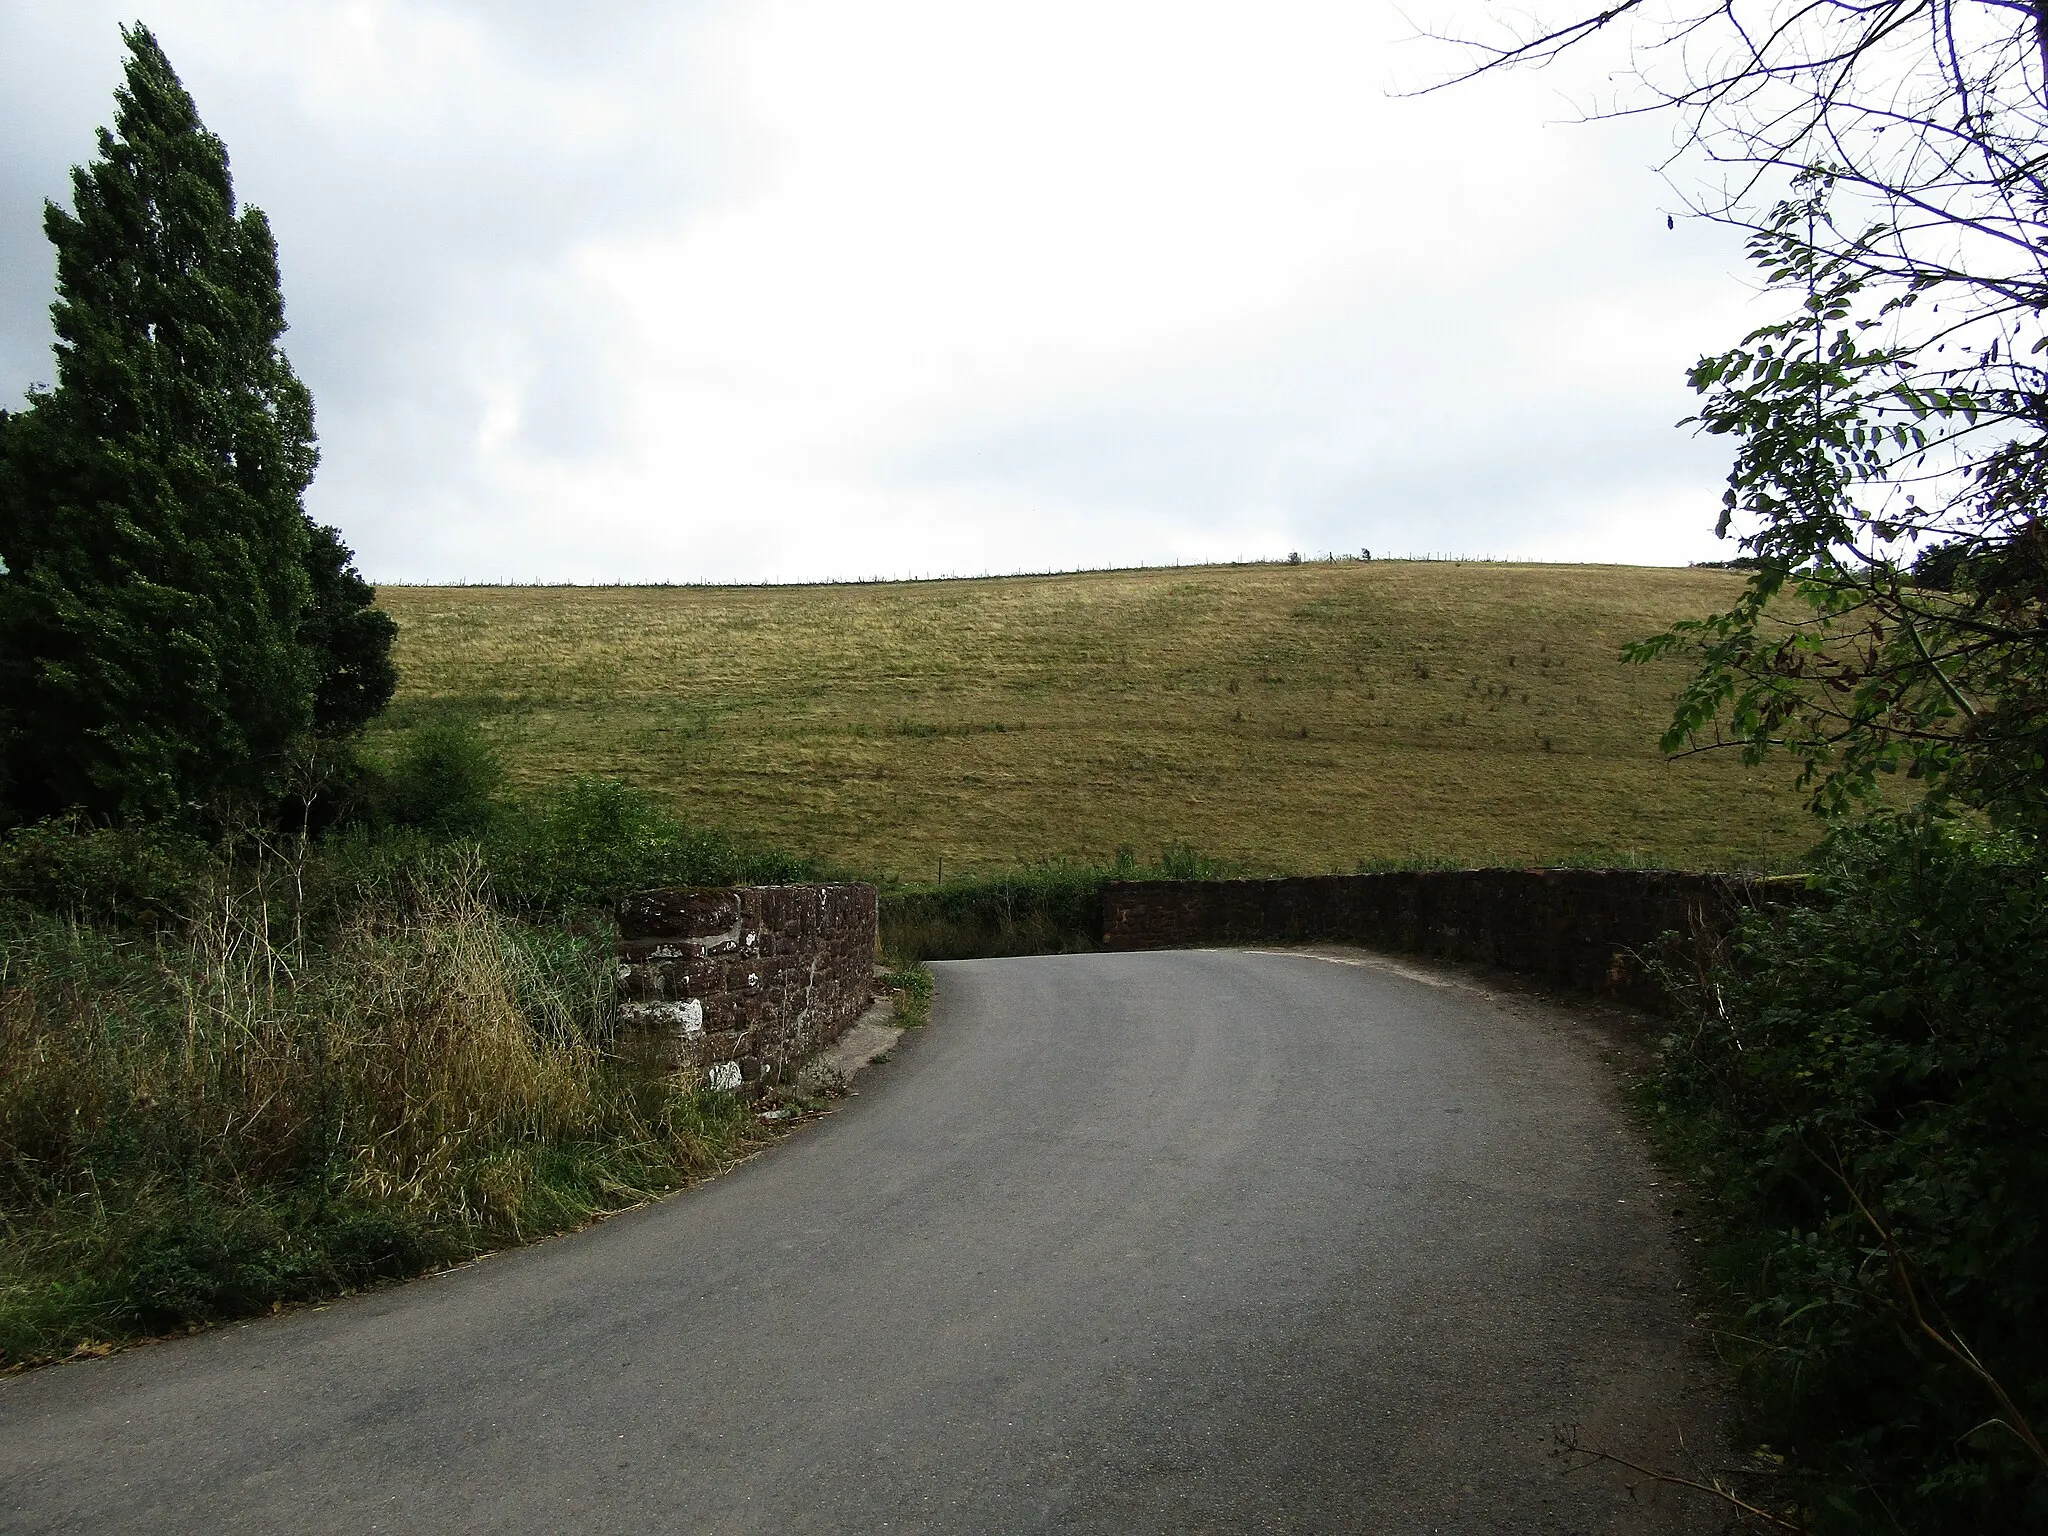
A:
(1295, 717)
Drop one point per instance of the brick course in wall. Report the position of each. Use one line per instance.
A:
(740, 984)
(1582, 928)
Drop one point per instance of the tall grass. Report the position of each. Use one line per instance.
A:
(312, 1080)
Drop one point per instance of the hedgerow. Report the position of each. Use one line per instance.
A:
(1861, 1089)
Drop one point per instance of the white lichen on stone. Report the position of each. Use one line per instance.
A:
(726, 1075)
(686, 1019)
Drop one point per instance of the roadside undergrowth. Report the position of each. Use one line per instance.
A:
(290, 1093)
(1858, 1094)
(913, 985)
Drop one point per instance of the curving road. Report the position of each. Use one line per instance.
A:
(1209, 1241)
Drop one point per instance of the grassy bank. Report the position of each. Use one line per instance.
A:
(234, 1077)
(1284, 718)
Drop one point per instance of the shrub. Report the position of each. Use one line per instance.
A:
(591, 841)
(1863, 1089)
(442, 781)
(1180, 861)
(121, 875)
(1052, 908)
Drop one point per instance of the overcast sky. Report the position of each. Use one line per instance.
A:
(792, 289)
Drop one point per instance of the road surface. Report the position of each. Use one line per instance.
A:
(1207, 1241)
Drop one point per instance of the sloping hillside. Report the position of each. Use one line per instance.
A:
(1302, 717)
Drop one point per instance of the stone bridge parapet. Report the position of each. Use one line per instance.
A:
(1588, 929)
(741, 983)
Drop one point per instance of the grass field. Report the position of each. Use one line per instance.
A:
(1302, 718)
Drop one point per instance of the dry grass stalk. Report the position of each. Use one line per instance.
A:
(420, 1043)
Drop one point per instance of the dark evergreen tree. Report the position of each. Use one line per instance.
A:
(171, 622)
(349, 637)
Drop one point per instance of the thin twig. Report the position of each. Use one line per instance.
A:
(1713, 1489)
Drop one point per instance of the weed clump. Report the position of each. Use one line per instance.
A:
(914, 986)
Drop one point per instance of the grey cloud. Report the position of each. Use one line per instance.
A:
(425, 272)
(398, 252)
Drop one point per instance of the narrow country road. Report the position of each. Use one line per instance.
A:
(1210, 1241)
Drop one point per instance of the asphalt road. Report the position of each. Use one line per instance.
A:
(1214, 1241)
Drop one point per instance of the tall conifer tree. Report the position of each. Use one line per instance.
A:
(167, 609)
